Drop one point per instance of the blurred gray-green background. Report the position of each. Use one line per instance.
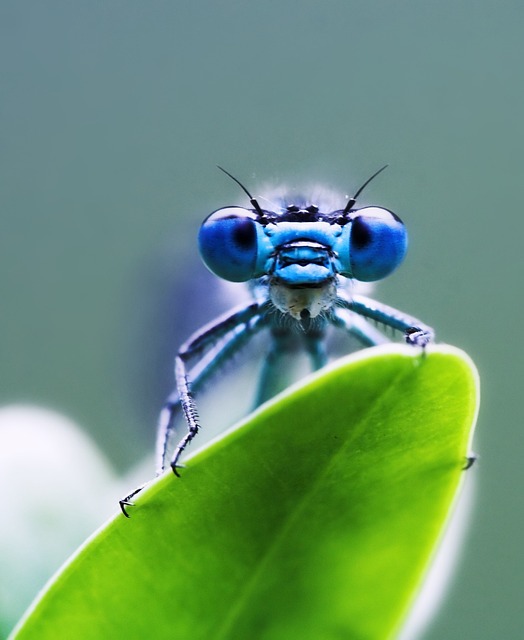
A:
(113, 117)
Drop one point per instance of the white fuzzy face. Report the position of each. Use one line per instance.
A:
(297, 300)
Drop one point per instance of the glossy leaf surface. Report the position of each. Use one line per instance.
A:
(314, 518)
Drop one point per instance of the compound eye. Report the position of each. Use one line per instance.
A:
(378, 243)
(228, 243)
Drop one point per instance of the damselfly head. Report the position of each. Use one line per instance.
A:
(301, 243)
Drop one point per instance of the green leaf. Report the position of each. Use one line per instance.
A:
(315, 518)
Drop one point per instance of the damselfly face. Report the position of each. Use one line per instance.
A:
(300, 251)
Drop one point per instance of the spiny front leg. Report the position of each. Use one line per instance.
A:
(221, 338)
(415, 332)
(188, 407)
(235, 330)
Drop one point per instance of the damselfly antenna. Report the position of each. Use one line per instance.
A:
(253, 201)
(352, 200)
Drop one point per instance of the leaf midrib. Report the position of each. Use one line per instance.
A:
(247, 589)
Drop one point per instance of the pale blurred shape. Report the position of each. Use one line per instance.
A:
(437, 581)
(56, 489)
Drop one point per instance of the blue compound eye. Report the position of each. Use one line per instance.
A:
(378, 243)
(228, 243)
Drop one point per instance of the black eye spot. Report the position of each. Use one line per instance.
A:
(360, 233)
(244, 234)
